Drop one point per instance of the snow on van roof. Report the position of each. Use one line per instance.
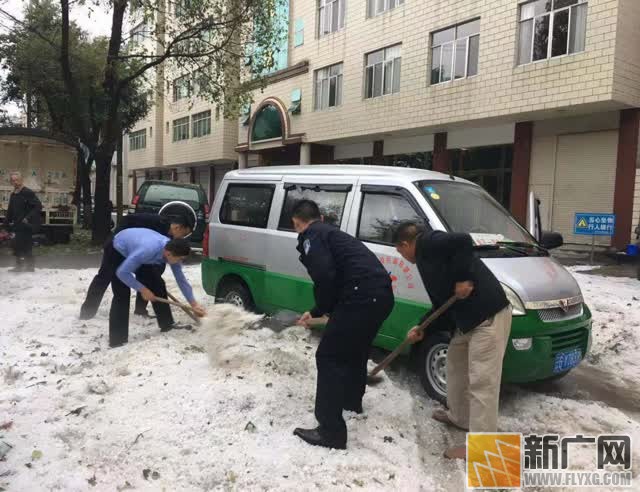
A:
(342, 170)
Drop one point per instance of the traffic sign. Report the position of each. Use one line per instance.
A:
(590, 224)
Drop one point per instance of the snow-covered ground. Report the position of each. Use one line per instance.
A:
(158, 414)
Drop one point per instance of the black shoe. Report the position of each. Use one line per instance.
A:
(176, 326)
(316, 437)
(20, 266)
(144, 314)
(355, 408)
(116, 345)
(29, 265)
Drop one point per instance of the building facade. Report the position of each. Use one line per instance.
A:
(517, 96)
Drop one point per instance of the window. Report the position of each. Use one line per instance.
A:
(138, 140)
(330, 199)
(161, 193)
(377, 7)
(383, 72)
(470, 209)
(181, 129)
(181, 88)
(454, 52)
(181, 8)
(247, 205)
(296, 102)
(138, 34)
(201, 124)
(328, 84)
(267, 124)
(150, 132)
(298, 38)
(550, 28)
(330, 16)
(380, 213)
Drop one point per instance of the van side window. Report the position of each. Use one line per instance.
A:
(331, 201)
(247, 205)
(380, 213)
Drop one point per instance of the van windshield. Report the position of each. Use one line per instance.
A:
(468, 208)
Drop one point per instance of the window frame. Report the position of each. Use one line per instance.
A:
(197, 119)
(382, 79)
(138, 34)
(184, 122)
(329, 187)
(339, 87)
(134, 136)
(372, 7)
(231, 185)
(175, 93)
(552, 16)
(398, 191)
(324, 8)
(453, 43)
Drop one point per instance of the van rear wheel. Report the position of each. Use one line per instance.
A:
(432, 365)
(236, 292)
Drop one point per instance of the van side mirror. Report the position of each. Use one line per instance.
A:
(551, 240)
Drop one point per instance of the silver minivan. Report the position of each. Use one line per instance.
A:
(250, 257)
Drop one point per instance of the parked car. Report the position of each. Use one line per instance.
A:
(250, 258)
(166, 196)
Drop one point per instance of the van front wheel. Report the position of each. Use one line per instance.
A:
(236, 293)
(432, 365)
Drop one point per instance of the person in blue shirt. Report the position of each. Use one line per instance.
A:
(175, 227)
(134, 257)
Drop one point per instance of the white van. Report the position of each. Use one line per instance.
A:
(250, 257)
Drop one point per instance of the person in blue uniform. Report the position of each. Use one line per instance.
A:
(176, 227)
(352, 287)
(133, 257)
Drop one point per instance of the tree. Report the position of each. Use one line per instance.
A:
(208, 40)
(30, 54)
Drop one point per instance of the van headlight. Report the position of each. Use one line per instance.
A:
(517, 307)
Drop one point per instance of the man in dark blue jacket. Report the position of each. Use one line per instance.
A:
(352, 287)
(23, 217)
(176, 227)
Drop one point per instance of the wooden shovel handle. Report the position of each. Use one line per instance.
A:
(187, 309)
(421, 327)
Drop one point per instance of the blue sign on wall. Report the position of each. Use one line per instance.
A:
(588, 224)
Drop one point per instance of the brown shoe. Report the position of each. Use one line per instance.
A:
(441, 415)
(457, 453)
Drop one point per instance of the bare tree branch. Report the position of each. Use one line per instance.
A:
(28, 27)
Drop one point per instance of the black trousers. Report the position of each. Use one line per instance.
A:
(23, 240)
(342, 358)
(150, 277)
(101, 281)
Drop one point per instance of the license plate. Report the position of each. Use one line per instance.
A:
(567, 360)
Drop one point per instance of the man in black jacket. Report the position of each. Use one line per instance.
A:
(481, 319)
(23, 218)
(354, 289)
(176, 227)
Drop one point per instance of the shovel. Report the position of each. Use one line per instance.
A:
(371, 379)
(186, 308)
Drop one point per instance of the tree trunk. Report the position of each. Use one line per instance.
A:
(119, 177)
(85, 185)
(101, 226)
